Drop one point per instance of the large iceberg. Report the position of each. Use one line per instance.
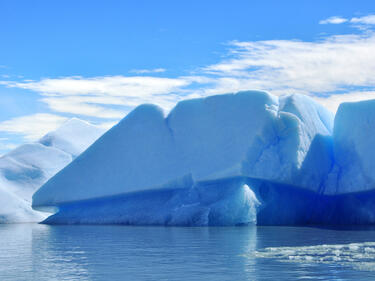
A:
(231, 159)
(249, 134)
(210, 161)
(24, 169)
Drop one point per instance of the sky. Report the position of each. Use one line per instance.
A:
(97, 60)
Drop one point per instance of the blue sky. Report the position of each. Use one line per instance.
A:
(96, 60)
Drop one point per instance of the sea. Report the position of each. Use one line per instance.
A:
(119, 252)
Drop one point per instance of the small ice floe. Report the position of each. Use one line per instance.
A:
(360, 256)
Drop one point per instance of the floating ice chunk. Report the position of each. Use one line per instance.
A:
(357, 255)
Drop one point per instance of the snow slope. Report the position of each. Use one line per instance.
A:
(26, 168)
(73, 137)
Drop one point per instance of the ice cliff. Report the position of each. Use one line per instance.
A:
(231, 159)
(26, 168)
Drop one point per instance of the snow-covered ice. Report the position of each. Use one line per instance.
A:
(354, 139)
(24, 169)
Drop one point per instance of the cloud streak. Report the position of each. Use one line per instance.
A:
(288, 66)
(332, 102)
(147, 71)
(333, 20)
(32, 127)
(106, 85)
(94, 96)
(369, 20)
(357, 21)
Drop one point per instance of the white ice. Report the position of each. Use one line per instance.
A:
(24, 169)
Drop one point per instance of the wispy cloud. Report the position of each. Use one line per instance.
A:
(368, 20)
(32, 127)
(83, 105)
(92, 96)
(287, 66)
(147, 71)
(104, 85)
(333, 20)
(360, 22)
(332, 102)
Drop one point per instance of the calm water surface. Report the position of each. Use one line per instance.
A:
(41, 252)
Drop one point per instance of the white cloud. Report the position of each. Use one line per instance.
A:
(107, 85)
(287, 66)
(332, 102)
(88, 96)
(357, 21)
(144, 71)
(368, 20)
(32, 127)
(333, 20)
(77, 105)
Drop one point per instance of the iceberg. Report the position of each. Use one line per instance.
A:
(24, 169)
(208, 162)
(233, 159)
(248, 134)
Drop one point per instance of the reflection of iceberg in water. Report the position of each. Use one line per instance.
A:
(56, 253)
(142, 253)
(16, 250)
(34, 252)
